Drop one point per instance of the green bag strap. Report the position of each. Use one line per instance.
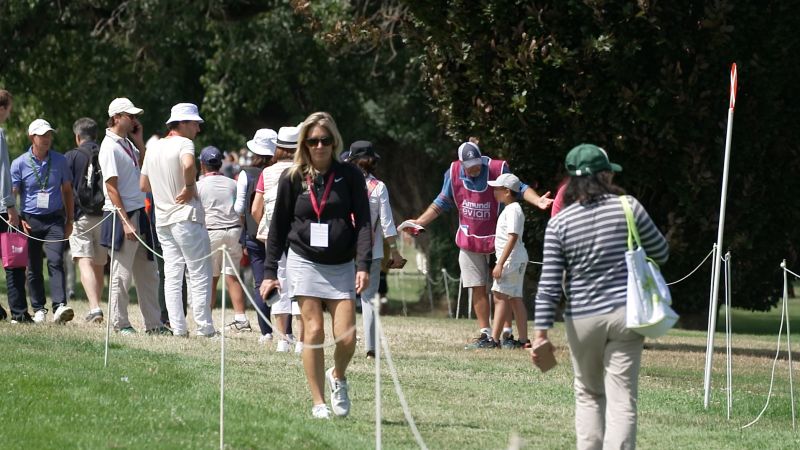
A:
(633, 232)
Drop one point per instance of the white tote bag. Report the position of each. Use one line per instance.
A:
(648, 306)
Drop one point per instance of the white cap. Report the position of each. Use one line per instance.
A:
(506, 180)
(263, 143)
(184, 111)
(39, 127)
(287, 137)
(122, 105)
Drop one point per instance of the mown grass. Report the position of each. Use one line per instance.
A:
(164, 392)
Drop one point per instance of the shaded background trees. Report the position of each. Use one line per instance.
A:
(647, 80)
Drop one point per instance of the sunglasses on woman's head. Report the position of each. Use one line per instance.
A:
(325, 141)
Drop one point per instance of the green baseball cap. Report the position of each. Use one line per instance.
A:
(587, 159)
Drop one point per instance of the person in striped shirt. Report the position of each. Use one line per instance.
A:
(588, 240)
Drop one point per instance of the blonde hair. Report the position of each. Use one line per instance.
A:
(302, 157)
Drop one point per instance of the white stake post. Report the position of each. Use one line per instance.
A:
(108, 319)
(788, 341)
(225, 255)
(447, 293)
(720, 230)
(376, 305)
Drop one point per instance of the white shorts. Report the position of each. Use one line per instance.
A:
(229, 238)
(510, 283)
(474, 268)
(85, 244)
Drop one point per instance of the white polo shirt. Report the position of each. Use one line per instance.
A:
(162, 165)
(115, 161)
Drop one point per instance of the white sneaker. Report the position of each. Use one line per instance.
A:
(40, 316)
(63, 314)
(298, 348)
(340, 400)
(283, 346)
(321, 411)
(265, 338)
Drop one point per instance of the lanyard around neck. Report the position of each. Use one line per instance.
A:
(129, 150)
(42, 183)
(318, 207)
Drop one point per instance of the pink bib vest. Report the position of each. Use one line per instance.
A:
(477, 210)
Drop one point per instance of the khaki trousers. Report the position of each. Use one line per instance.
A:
(605, 358)
(131, 264)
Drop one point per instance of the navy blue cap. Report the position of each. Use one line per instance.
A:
(211, 156)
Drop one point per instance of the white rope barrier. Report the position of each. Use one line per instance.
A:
(399, 390)
(52, 241)
(281, 335)
(695, 269)
(784, 316)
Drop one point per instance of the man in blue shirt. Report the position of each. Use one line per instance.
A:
(43, 181)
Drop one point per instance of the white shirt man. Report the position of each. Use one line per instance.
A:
(121, 153)
(169, 172)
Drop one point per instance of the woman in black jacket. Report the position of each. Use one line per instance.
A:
(322, 222)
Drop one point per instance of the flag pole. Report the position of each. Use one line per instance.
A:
(720, 230)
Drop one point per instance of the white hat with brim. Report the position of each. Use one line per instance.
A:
(287, 137)
(263, 142)
(506, 180)
(184, 112)
(39, 127)
(123, 105)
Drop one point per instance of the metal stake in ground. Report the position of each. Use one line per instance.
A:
(720, 231)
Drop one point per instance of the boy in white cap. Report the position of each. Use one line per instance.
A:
(43, 180)
(122, 152)
(512, 258)
(169, 172)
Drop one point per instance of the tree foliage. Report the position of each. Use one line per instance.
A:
(246, 63)
(648, 81)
